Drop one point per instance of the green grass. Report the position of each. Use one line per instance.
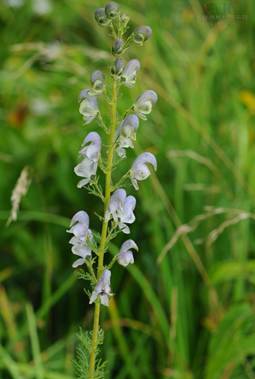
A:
(186, 309)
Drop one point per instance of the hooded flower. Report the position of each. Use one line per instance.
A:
(121, 208)
(139, 170)
(102, 289)
(130, 71)
(88, 106)
(125, 256)
(90, 153)
(142, 33)
(79, 227)
(97, 81)
(144, 103)
(126, 134)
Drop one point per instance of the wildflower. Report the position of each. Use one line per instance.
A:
(118, 46)
(121, 208)
(118, 67)
(97, 81)
(88, 106)
(101, 17)
(90, 153)
(112, 9)
(125, 256)
(144, 103)
(102, 289)
(82, 236)
(139, 170)
(127, 134)
(142, 34)
(130, 71)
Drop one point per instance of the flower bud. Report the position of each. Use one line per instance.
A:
(118, 67)
(111, 9)
(101, 17)
(97, 81)
(141, 34)
(118, 46)
(124, 19)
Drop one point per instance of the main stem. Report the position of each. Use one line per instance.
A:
(101, 250)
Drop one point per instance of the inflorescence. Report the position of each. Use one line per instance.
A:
(98, 158)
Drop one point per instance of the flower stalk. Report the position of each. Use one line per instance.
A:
(101, 250)
(118, 205)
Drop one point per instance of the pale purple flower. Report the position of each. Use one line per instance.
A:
(102, 289)
(142, 33)
(130, 71)
(126, 134)
(125, 256)
(144, 103)
(140, 170)
(87, 168)
(88, 106)
(82, 235)
(121, 209)
(97, 81)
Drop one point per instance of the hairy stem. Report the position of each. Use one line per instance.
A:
(101, 250)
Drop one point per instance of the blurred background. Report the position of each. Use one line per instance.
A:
(186, 309)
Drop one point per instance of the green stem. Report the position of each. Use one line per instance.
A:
(101, 250)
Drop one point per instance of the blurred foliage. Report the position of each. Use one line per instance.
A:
(186, 309)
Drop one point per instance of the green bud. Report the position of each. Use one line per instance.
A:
(141, 34)
(124, 19)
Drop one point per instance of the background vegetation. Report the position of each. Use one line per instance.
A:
(186, 309)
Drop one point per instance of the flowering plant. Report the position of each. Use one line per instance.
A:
(98, 158)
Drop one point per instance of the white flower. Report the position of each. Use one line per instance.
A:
(88, 106)
(90, 153)
(126, 133)
(144, 103)
(102, 289)
(121, 208)
(139, 170)
(129, 73)
(125, 256)
(82, 235)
